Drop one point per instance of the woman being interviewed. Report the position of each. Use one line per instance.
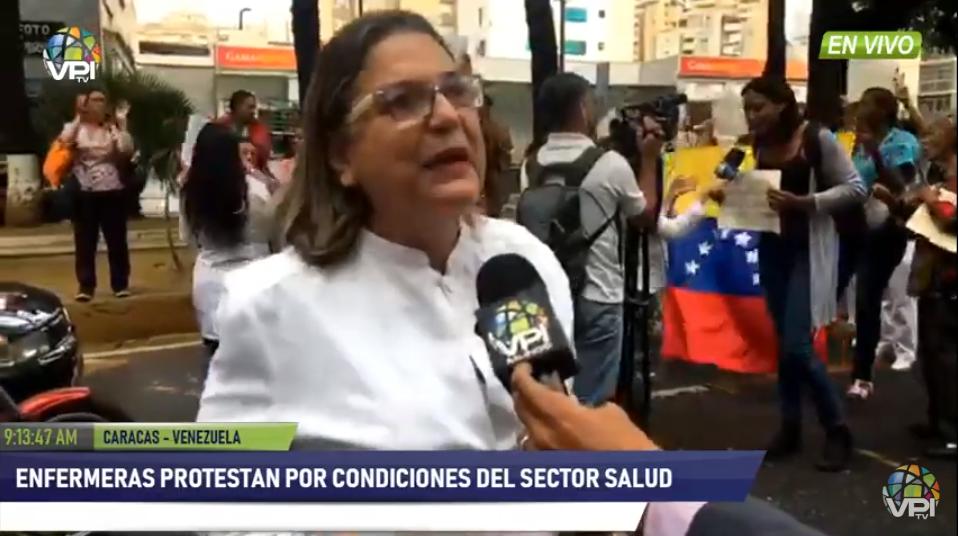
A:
(362, 331)
(812, 189)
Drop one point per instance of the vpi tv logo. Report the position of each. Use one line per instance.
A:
(870, 45)
(72, 53)
(521, 330)
(912, 491)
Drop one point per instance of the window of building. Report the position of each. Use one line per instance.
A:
(575, 48)
(601, 46)
(576, 14)
(481, 13)
(601, 13)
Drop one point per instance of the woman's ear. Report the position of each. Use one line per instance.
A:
(339, 161)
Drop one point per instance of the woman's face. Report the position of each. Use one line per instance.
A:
(761, 113)
(94, 106)
(937, 140)
(248, 154)
(409, 165)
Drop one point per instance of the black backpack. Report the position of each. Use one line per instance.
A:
(849, 222)
(550, 208)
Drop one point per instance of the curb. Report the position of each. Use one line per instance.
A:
(51, 251)
(112, 320)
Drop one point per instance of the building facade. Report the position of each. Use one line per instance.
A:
(727, 28)
(937, 91)
(595, 30)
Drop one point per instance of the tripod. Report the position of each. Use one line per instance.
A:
(637, 315)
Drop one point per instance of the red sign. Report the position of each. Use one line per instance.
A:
(256, 58)
(718, 67)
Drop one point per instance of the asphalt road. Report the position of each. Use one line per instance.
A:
(694, 408)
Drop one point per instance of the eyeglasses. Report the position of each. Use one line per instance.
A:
(412, 100)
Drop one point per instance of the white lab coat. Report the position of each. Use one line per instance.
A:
(378, 352)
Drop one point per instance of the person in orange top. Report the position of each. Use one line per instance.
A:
(242, 119)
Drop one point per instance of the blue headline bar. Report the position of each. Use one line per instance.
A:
(449, 476)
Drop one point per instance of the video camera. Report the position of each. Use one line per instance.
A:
(624, 128)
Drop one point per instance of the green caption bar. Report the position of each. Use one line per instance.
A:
(193, 436)
(870, 45)
(162, 436)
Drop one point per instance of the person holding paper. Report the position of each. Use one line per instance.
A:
(934, 280)
(797, 302)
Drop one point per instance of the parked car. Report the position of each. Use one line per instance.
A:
(39, 350)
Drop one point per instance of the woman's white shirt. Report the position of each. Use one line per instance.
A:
(378, 352)
(213, 262)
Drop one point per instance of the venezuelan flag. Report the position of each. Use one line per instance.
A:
(713, 309)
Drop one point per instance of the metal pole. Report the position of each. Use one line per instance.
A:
(241, 13)
(562, 36)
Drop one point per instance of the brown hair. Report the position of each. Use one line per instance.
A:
(320, 217)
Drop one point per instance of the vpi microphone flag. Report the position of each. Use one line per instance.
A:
(358, 490)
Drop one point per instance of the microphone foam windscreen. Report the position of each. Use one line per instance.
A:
(503, 276)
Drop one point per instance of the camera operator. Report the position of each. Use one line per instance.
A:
(557, 422)
(611, 195)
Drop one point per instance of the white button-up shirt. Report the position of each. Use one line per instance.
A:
(378, 352)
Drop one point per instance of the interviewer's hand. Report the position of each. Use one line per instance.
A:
(556, 421)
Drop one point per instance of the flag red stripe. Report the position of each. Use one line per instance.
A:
(732, 332)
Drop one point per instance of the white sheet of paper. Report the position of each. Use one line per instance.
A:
(922, 224)
(746, 202)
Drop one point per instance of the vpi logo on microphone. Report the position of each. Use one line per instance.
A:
(912, 491)
(72, 53)
(520, 329)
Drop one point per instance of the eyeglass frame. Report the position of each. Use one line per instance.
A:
(368, 101)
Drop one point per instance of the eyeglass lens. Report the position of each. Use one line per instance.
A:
(414, 100)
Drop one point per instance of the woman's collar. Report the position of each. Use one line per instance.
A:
(385, 250)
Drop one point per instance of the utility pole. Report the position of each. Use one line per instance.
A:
(562, 35)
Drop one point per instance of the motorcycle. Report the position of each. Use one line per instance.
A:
(65, 404)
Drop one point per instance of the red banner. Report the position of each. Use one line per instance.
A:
(256, 58)
(718, 67)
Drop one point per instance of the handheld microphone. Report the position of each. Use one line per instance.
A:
(728, 168)
(516, 322)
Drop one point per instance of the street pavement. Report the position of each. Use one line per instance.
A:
(693, 408)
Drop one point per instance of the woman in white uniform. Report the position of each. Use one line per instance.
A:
(227, 216)
(362, 331)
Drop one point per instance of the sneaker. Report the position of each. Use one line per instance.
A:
(903, 364)
(125, 293)
(924, 431)
(838, 450)
(861, 390)
(786, 443)
(83, 296)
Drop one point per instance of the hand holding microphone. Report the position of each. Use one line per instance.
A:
(556, 421)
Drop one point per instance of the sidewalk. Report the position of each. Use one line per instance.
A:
(57, 238)
(160, 305)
